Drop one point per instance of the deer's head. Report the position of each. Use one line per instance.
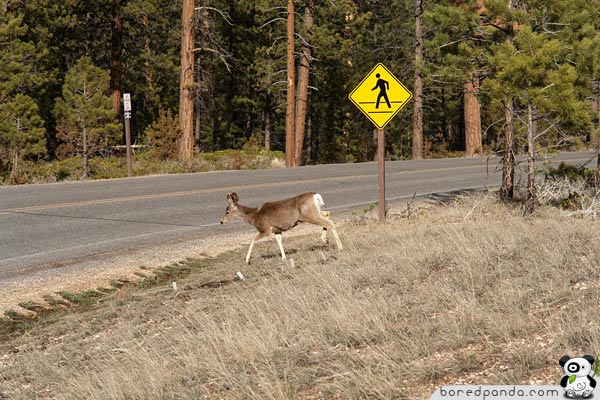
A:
(232, 207)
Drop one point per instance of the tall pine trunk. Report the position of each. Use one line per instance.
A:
(508, 160)
(86, 165)
(290, 142)
(116, 63)
(147, 57)
(531, 194)
(14, 170)
(303, 78)
(186, 83)
(596, 140)
(472, 115)
(267, 119)
(417, 142)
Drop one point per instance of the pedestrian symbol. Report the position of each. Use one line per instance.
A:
(380, 96)
(383, 87)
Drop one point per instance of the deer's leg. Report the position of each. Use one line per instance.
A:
(327, 225)
(337, 238)
(280, 244)
(326, 215)
(258, 237)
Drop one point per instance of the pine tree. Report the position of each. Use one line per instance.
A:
(534, 72)
(86, 122)
(22, 132)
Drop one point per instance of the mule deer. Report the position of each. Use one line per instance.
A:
(280, 216)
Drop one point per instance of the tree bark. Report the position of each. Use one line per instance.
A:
(267, 129)
(303, 78)
(186, 83)
(85, 154)
(290, 142)
(116, 63)
(14, 168)
(309, 140)
(596, 141)
(531, 195)
(417, 142)
(472, 115)
(148, 55)
(508, 161)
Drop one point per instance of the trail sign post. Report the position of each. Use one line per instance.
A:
(127, 110)
(380, 96)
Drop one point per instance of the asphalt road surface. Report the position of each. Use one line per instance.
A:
(53, 223)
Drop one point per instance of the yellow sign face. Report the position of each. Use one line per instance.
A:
(380, 96)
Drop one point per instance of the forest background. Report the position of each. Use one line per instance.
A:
(207, 76)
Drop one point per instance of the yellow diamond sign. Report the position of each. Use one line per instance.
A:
(380, 96)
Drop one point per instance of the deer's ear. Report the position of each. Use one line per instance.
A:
(232, 198)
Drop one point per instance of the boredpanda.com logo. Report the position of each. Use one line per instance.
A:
(578, 381)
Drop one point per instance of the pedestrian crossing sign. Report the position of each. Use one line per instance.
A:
(380, 96)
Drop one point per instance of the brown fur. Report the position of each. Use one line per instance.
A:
(279, 216)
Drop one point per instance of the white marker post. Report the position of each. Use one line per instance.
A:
(127, 109)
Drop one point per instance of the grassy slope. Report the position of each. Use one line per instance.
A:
(467, 293)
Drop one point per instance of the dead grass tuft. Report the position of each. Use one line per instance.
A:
(468, 292)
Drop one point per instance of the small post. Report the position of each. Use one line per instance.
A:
(127, 109)
(381, 174)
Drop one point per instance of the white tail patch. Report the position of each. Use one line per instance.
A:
(318, 201)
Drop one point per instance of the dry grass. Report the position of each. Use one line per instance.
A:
(464, 293)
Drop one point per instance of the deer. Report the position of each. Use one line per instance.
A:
(280, 216)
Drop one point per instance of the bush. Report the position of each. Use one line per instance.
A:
(569, 187)
(163, 136)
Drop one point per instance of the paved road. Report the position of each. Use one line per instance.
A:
(48, 224)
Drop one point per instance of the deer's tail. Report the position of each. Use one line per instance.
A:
(318, 201)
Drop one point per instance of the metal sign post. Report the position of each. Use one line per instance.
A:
(127, 109)
(380, 96)
(381, 174)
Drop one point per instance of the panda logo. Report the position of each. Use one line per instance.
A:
(578, 380)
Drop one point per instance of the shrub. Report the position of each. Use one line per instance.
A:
(163, 136)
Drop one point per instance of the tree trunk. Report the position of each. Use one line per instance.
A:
(186, 83)
(309, 140)
(531, 195)
(303, 77)
(116, 63)
(417, 142)
(267, 129)
(596, 140)
(85, 154)
(290, 142)
(197, 122)
(508, 161)
(148, 55)
(375, 143)
(14, 168)
(472, 115)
